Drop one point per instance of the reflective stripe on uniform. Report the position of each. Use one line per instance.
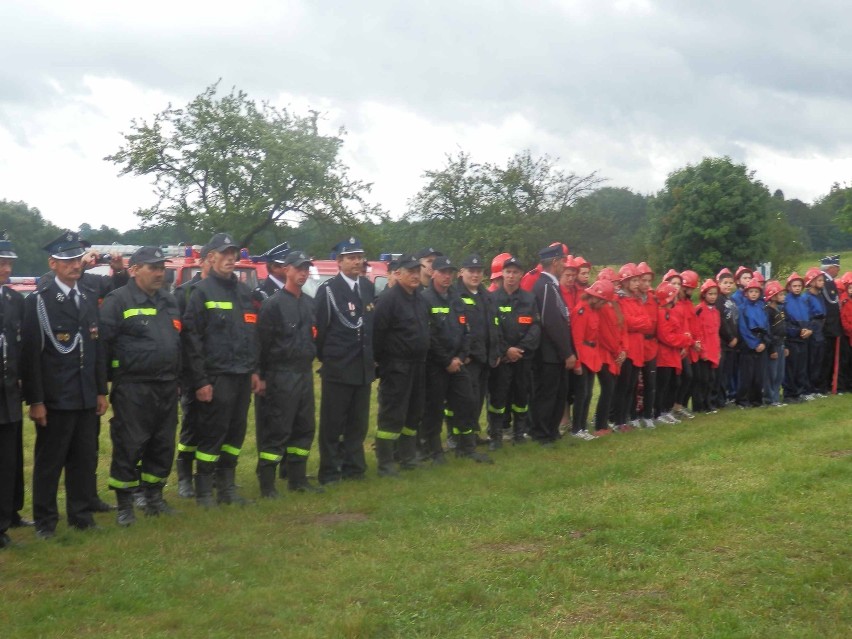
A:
(132, 312)
(114, 363)
(458, 431)
(271, 457)
(152, 479)
(227, 306)
(231, 450)
(448, 413)
(408, 431)
(440, 310)
(504, 309)
(183, 448)
(469, 301)
(115, 483)
(206, 457)
(494, 409)
(520, 409)
(292, 450)
(384, 434)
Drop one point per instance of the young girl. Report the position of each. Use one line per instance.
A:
(796, 379)
(814, 282)
(774, 295)
(707, 366)
(637, 324)
(649, 368)
(689, 282)
(844, 382)
(753, 333)
(585, 324)
(673, 342)
(612, 346)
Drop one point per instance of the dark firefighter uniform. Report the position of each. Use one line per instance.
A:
(220, 342)
(187, 440)
(261, 293)
(142, 337)
(11, 419)
(345, 310)
(480, 314)
(556, 346)
(447, 394)
(400, 344)
(519, 325)
(63, 368)
(286, 332)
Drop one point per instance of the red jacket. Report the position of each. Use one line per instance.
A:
(637, 323)
(650, 306)
(690, 322)
(672, 338)
(846, 315)
(711, 344)
(585, 322)
(612, 338)
(530, 278)
(569, 296)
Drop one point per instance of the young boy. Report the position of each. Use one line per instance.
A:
(774, 296)
(814, 282)
(707, 366)
(753, 331)
(799, 332)
(729, 336)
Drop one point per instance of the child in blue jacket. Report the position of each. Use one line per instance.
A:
(754, 328)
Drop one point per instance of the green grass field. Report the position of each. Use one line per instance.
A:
(731, 525)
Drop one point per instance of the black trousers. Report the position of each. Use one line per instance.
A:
(187, 439)
(402, 390)
(548, 402)
(607, 383)
(844, 378)
(796, 370)
(704, 384)
(816, 353)
(582, 385)
(479, 373)
(750, 388)
(827, 367)
(344, 420)
(68, 442)
(625, 391)
(287, 430)
(509, 389)
(728, 372)
(666, 386)
(649, 390)
(684, 383)
(448, 395)
(222, 423)
(143, 432)
(10, 469)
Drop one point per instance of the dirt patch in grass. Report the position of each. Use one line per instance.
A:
(334, 519)
(838, 453)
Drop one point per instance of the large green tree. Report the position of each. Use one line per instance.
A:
(29, 231)
(711, 214)
(225, 163)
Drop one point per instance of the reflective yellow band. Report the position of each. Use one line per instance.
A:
(271, 457)
(292, 450)
(458, 431)
(496, 321)
(448, 412)
(183, 448)
(115, 483)
(131, 312)
(494, 409)
(440, 310)
(139, 464)
(152, 479)
(114, 363)
(408, 431)
(384, 434)
(227, 306)
(469, 301)
(206, 457)
(231, 450)
(504, 309)
(519, 409)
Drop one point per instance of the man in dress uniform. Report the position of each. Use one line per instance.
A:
(555, 356)
(11, 418)
(448, 387)
(65, 385)
(140, 328)
(519, 335)
(187, 440)
(220, 342)
(400, 344)
(832, 329)
(274, 260)
(344, 308)
(286, 332)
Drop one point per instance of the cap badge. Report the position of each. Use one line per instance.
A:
(69, 237)
(352, 240)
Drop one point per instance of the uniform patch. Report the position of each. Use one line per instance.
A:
(525, 319)
(580, 311)
(63, 337)
(250, 318)
(462, 319)
(176, 323)
(93, 332)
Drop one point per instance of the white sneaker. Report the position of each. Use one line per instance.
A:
(670, 418)
(809, 398)
(684, 412)
(648, 423)
(587, 435)
(821, 396)
(635, 423)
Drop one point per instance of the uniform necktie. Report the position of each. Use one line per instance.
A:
(356, 291)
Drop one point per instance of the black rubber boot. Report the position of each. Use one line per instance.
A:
(467, 449)
(520, 433)
(154, 503)
(266, 476)
(406, 447)
(226, 488)
(125, 517)
(384, 458)
(184, 473)
(495, 431)
(297, 480)
(204, 491)
(139, 497)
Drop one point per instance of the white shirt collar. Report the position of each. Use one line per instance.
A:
(349, 281)
(66, 290)
(275, 280)
(551, 276)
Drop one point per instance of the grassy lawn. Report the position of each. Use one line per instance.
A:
(732, 525)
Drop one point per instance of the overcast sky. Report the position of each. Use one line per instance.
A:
(630, 88)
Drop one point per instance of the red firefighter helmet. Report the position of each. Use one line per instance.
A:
(582, 262)
(643, 269)
(670, 274)
(497, 265)
(665, 293)
(602, 289)
(846, 279)
(793, 277)
(753, 283)
(571, 262)
(608, 274)
(741, 270)
(811, 275)
(773, 287)
(627, 271)
(758, 276)
(725, 272)
(708, 284)
(689, 279)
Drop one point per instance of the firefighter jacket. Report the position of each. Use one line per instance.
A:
(11, 321)
(286, 331)
(638, 324)
(709, 321)
(798, 316)
(612, 336)
(401, 325)
(650, 306)
(584, 330)
(690, 322)
(517, 321)
(754, 326)
(449, 336)
(672, 338)
(481, 315)
(141, 335)
(777, 318)
(220, 330)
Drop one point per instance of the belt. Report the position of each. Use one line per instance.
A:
(588, 343)
(649, 336)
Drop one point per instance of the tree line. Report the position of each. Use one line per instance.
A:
(266, 175)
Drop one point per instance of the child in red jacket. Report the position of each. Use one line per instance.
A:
(646, 387)
(637, 324)
(689, 282)
(612, 345)
(585, 322)
(707, 366)
(673, 341)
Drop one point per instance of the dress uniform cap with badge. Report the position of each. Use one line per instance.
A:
(67, 246)
(6, 248)
(551, 252)
(349, 246)
(443, 263)
(472, 261)
(276, 253)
